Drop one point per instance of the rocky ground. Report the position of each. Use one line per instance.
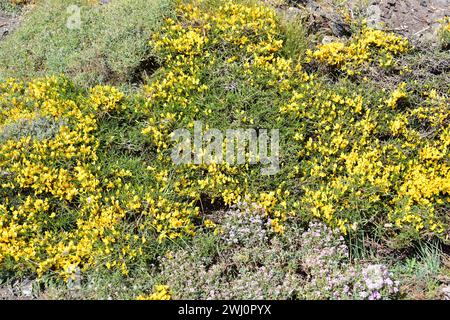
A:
(7, 23)
(416, 19)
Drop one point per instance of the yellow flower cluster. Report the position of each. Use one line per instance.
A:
(161, 292)
(56, 213)
(361, 50)
(397, 95)
(190, 46)
(106, 99)
(349, 167)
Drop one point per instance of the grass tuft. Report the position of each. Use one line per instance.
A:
(109, 45)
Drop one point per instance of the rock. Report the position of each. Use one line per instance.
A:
(374, 16)
(26, 288)
(7, 24)
(328, 39)
(443, 3)
(446, 292)
(294, 10)
(428, 38)
(293, 13)
(340, 29)
(313, 7)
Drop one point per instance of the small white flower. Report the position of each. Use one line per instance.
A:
(363, 294)
(373, 277)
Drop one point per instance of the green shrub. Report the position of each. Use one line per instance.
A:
(444, 33)
(7, 7)
(39, 128)
(110, 45)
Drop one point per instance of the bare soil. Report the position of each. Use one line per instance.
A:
(8, 23)
(416, 19)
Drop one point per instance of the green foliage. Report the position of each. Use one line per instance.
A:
(368, 161)
(9, 7)
(295, 38)
(444, 33)
(111, 44)
(421, 272)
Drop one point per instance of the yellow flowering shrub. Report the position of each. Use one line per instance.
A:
(397, 95)
(58, 210)
(105, 99)
(190, 48)
(345, 169)
(54, 212)
(161, 292)
(370, 46)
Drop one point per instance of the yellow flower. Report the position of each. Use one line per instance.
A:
(161, 292)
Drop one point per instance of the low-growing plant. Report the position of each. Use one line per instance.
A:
(8, 7)
(332, 275)
(247, 228)
(298, 264)
(421, 272)
(39, 128)
(88, 41)
(444, 33)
